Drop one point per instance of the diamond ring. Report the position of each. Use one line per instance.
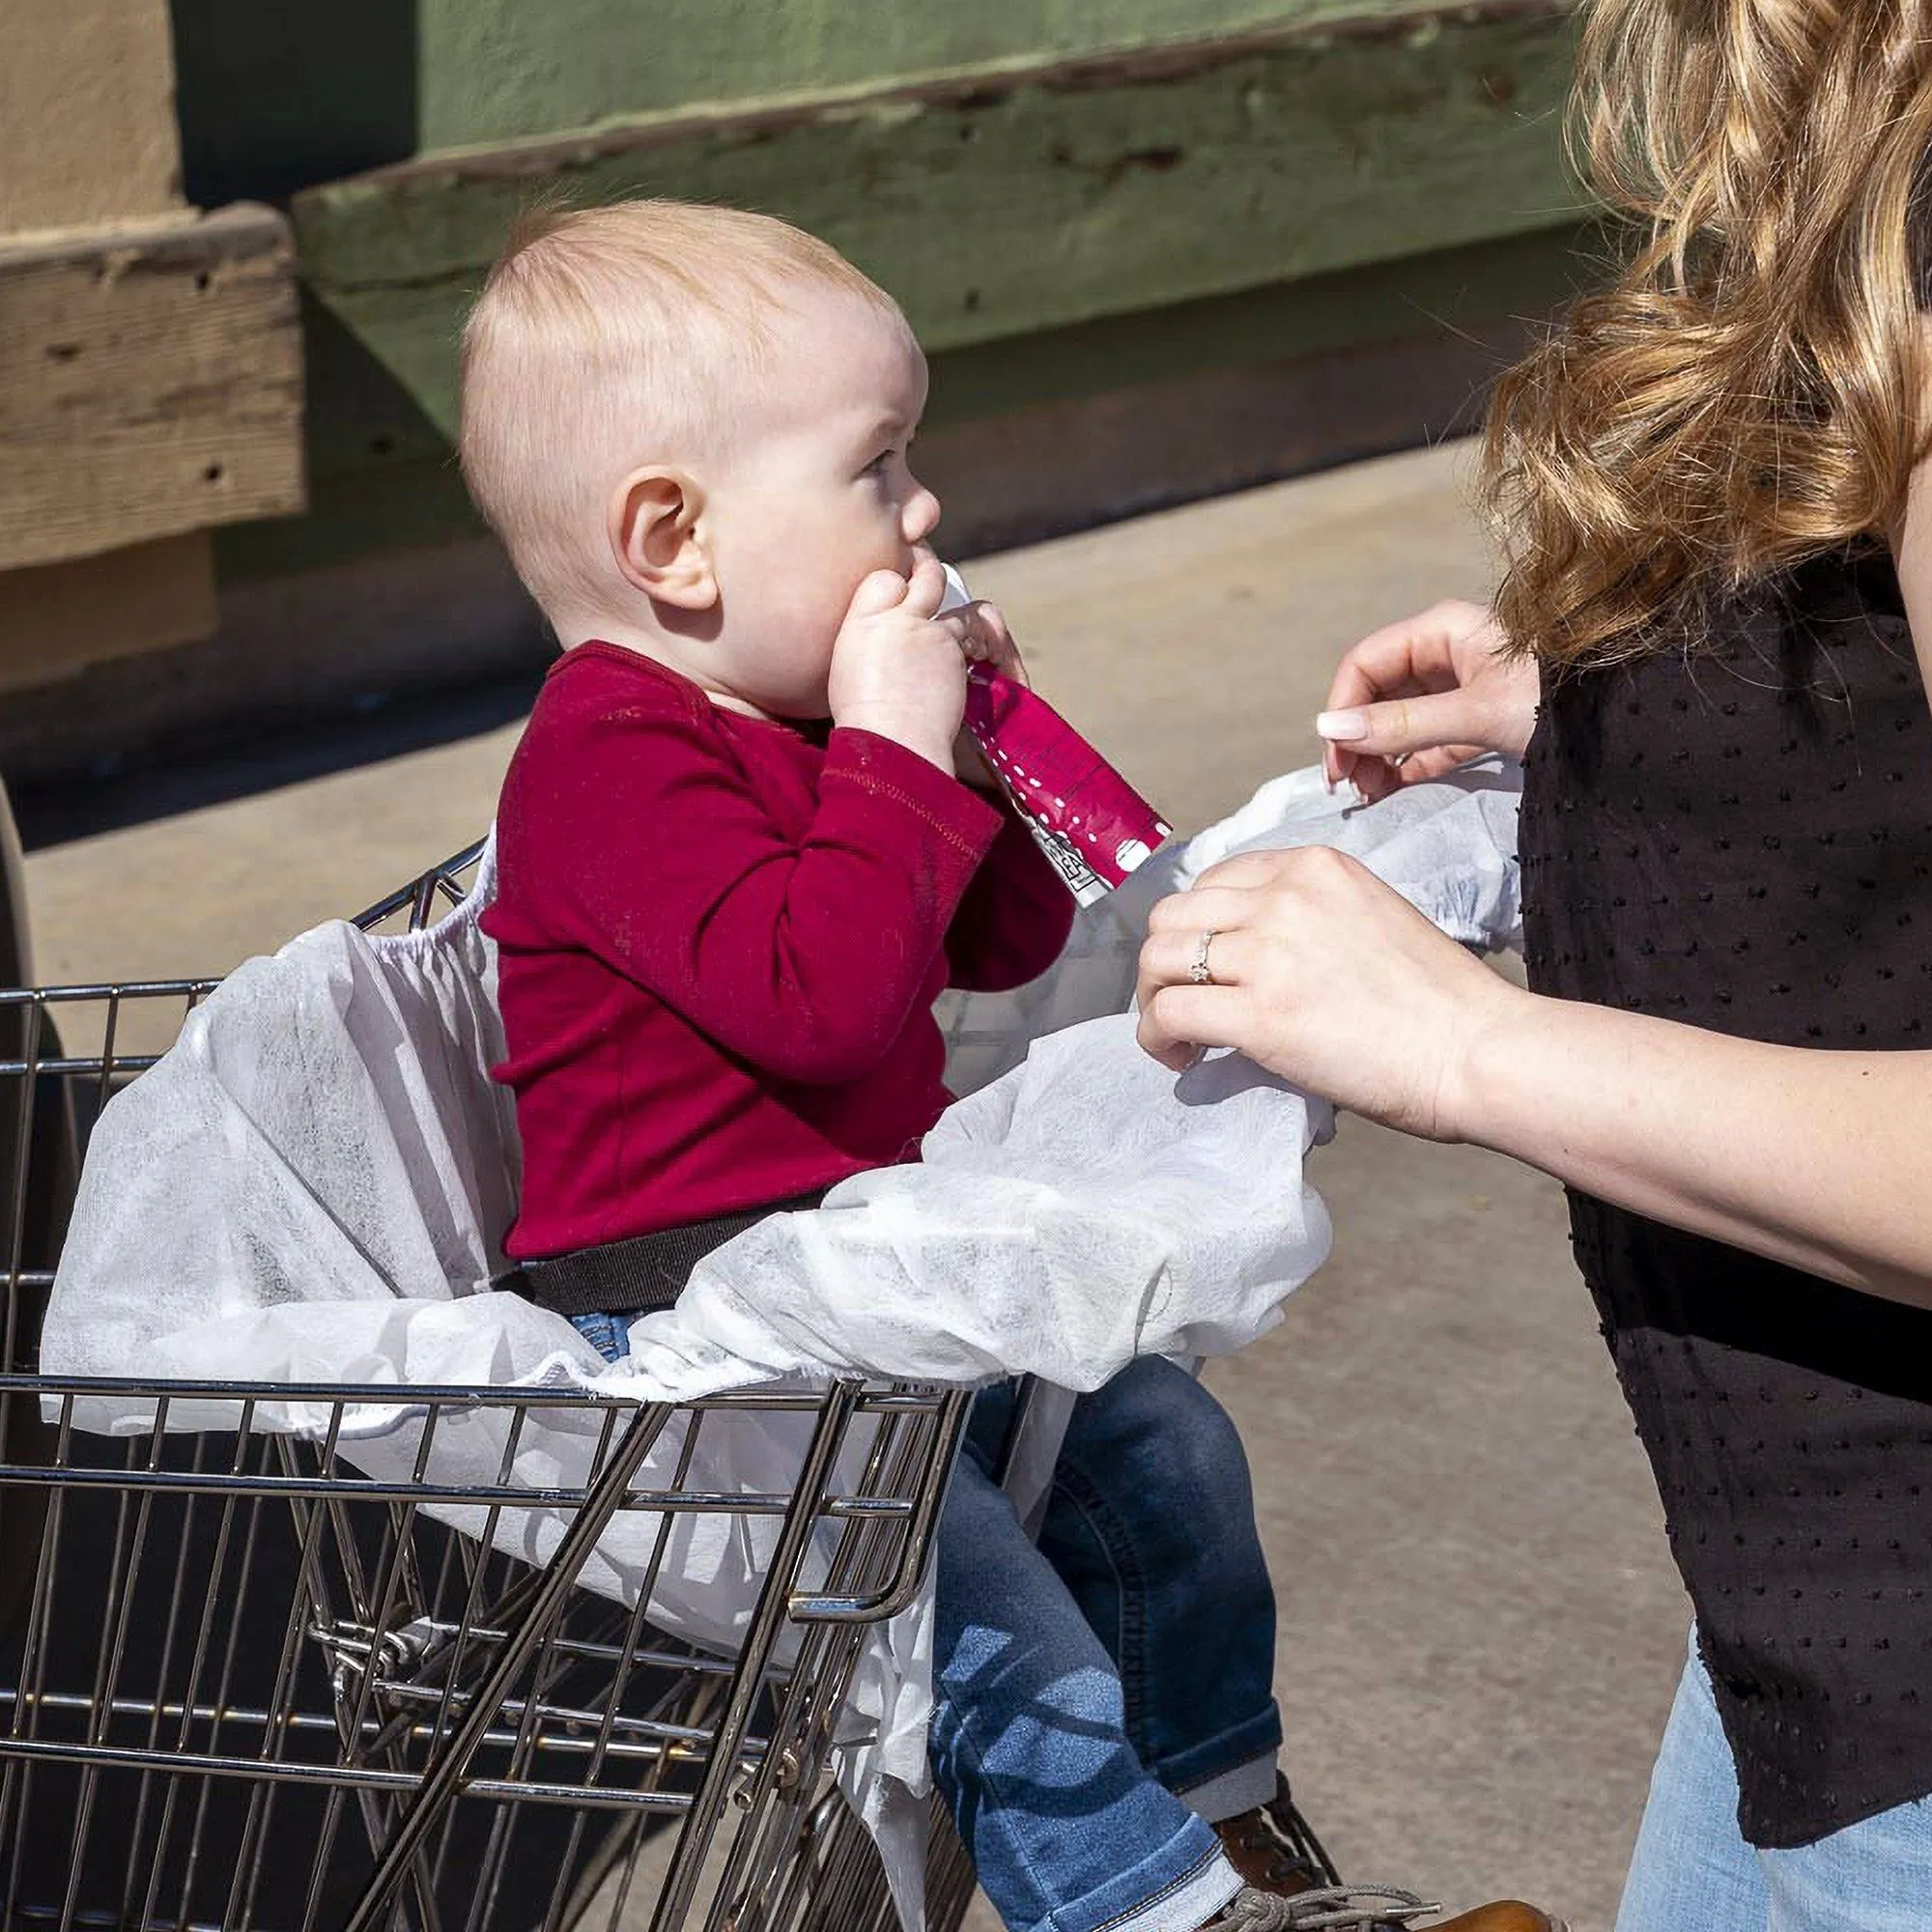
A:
(1200, 972)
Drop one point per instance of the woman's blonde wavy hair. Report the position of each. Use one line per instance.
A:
(1747, 393)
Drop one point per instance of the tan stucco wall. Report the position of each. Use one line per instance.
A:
(87, 125)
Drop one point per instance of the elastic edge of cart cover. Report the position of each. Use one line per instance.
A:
(310, 1185)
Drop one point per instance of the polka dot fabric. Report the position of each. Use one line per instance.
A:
(1741, 837)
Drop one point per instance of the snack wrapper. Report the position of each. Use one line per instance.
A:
(1093, 826)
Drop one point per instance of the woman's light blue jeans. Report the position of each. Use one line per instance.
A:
(1694, 1872)
(1081, 1682)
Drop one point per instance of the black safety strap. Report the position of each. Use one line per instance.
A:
(640, 1276)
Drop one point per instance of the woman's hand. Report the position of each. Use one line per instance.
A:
(1417, 699)
(1323, 973)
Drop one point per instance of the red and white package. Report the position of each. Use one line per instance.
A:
(1089, 820)
(1086, 818)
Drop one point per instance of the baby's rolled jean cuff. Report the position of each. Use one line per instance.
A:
(1182, 1905)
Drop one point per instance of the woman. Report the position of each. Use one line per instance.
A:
(1713, 492)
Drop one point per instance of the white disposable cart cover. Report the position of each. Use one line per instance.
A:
(311, 1187)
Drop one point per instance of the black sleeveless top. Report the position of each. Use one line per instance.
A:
(1742, 838)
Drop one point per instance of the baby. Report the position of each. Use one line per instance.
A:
(742, 848)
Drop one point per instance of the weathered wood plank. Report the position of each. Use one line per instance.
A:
(150, 384)
(58, 618)
(998, 205)
(501, 70)
(87, 122)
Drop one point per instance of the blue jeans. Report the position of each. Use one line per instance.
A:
(1693, 1868)
(1082, 1682)
(607, 1333)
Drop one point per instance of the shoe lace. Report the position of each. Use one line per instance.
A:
(1329, 1908)
(1297, 1835)
(1285, 1858)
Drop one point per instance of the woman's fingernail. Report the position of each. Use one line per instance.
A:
(1341, 728)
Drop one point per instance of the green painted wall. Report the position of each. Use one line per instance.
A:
(500, 69)
(998, 213)
(1070, 196)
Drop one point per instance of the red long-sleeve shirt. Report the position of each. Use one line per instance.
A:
(719, 939)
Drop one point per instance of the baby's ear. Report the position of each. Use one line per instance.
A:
(654, 535)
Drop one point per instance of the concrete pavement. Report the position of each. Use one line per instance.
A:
(1480, 1625)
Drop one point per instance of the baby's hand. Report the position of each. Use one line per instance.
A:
(899, 669)
(989, 641)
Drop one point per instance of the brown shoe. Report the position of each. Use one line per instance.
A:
(1506, 1915)
(1345, 1907)
(1274, 1847)
(1290, 1884)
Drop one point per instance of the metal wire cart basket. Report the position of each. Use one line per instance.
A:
(245, 1684)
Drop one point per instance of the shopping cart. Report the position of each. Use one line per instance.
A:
(245, 1684)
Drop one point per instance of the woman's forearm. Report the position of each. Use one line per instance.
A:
(1823, 1160)
(1315, 969)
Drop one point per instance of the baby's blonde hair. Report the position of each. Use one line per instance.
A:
(609, 337)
